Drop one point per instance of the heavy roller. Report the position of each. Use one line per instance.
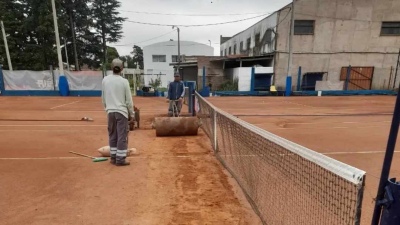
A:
(176, 125)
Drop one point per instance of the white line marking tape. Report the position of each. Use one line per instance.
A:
(64, 105)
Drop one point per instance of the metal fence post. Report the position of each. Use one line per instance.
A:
(253, 77)
(52, 75)
(204, 78)
(215, 131)
(346, 85)
(299, 79)
(397, 67)
(387, 163)
(2, 86)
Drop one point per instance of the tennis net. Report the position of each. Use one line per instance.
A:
(286, 183)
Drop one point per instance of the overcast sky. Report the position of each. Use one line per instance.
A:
(134, 33)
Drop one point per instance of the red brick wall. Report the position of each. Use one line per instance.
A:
(214, 72)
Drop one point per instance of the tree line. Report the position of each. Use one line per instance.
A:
(85, 26)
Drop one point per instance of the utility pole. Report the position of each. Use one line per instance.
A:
(179, 48)
(72, 24)
(289, 76)
(60, 63)
(6, 46)
(291, 41)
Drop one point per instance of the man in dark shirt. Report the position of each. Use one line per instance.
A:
(176, 92)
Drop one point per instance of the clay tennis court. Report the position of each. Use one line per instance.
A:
(351, 129)
(171, 181)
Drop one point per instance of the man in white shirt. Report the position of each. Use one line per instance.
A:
(117, 101)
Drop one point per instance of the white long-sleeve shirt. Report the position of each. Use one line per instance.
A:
(116, 95)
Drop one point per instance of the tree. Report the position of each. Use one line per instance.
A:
(128, 59)
(13, 27)
(112, 54)
(39, 25)
(31, 40)
(108, 23)
(138, 56)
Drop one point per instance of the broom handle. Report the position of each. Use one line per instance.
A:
(82, 154)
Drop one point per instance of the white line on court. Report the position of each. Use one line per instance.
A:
(32, 125)
(320, 128)
(299, 104)
(129, 157)
(28, 130)
(65, 104)
(349, 122)
(344, 153)
(80, 111)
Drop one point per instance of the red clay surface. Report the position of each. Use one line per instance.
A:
(172, 180)
(359, 141)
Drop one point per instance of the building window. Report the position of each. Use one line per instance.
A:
(241, 46)
(225, 52)
(304, 27)
(248, 44)
(234, 49)
(222, 53)
(230, 50)
(174, 58)
(159, 58)
(390, 28)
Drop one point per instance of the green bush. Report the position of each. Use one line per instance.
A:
(229, 85)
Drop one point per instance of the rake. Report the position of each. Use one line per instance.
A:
(94, 159)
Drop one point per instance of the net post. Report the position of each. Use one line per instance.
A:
(387, 163)
(360, 197)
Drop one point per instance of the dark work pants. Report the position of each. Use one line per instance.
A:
(118, 128)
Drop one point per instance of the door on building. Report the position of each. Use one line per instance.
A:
(360, 78)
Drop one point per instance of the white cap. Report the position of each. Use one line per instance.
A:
(117, 63)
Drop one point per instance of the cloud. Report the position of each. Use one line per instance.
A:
(134, 33)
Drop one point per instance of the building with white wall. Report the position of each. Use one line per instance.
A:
(157, 58)
(328, 37)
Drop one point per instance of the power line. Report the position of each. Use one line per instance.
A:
(195, 25)
(146, 40)
(182, 14)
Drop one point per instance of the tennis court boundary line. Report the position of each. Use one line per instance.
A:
(59, 106)
(129, 157)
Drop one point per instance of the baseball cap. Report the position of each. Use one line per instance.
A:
(117, 63)
(177, 75)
